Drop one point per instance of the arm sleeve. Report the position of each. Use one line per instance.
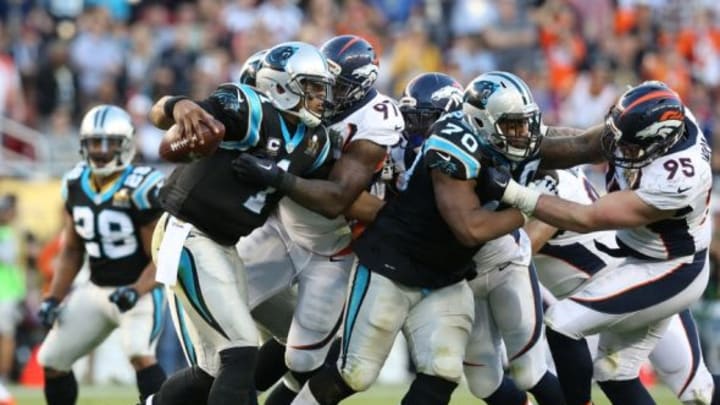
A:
(442, 154)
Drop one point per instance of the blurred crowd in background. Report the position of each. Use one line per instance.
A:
(60, 57)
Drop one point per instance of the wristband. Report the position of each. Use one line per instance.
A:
(521, 197)
(169, 105)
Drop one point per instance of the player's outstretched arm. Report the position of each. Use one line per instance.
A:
(563, 148)
(72, 255)
(461, 209)
(617, 210)
(350, 175)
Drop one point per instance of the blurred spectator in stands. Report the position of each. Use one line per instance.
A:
(62, 140)
(472, 17)
(96, 54)
(141, 55)
(320, 20)
(179, 59)
(147, 136)
(282, 17)
(470, 58)
(590, 97)
(562, 44)
(118, 10)
(239, 15)
(700, 44)
(512, 36)
(412, 55)
(56, 85)
(12, 282)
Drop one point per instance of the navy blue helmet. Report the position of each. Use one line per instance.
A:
(646, 122)
(425, 98)
(355, 65)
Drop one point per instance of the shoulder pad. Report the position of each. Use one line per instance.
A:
(72, 174)
(145, 183)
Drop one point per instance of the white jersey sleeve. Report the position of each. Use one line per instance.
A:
(379, 121)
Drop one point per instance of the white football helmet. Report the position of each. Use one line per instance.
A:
(286, 72)
(107, 139)
(502, 107)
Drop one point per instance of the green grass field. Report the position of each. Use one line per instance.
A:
(380, 395)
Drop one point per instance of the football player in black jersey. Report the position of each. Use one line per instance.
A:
(111, 211)
(412, 264)
(210, 207)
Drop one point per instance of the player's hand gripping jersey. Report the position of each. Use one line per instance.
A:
(208, 193)
(108, 221)
(409, 241)
(679, 180)
(378, 120)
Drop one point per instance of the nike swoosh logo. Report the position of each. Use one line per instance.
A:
(266, 166)
(398, 127)
(444, 157)
(682, 190)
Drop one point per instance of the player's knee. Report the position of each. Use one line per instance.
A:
(528, 369)
(526, 377)
(359, 376)
(304, 360)
(483, 381)
(53, 360)
(608, 368)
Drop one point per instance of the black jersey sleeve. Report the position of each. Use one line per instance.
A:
(453, 149)
(240, 109)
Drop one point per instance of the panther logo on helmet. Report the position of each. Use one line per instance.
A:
(279, 56)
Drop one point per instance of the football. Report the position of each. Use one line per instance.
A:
(180, 147)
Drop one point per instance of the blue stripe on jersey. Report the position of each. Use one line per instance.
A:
(538, 304)
(291, 143)
(675, 235)
(101, 198)
(524, 91)
(360, 284)
(139, 196)
(184, 334)
(576, 255)
(158, 297)
(694, 342)
(472, 166)
(191, 286)
(321, 157)
(252, 135)
(651, 293)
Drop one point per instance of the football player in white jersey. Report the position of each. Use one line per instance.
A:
(659, 184)
(566, 260)
(111, 211)
(299, 246)
(508, 303)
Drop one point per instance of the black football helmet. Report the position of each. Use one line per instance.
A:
(425, 98)
(355, 65)
(250, 67)
(645, 123)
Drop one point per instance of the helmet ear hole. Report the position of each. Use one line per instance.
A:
(280, 89)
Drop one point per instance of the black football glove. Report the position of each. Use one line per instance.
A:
(262, 171)
(492, 182)
(124, 297)
(48, 311)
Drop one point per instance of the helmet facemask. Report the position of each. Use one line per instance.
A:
(106, 154)
(107, 139)
(315, 94)
(517, 135)
(629, 155)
